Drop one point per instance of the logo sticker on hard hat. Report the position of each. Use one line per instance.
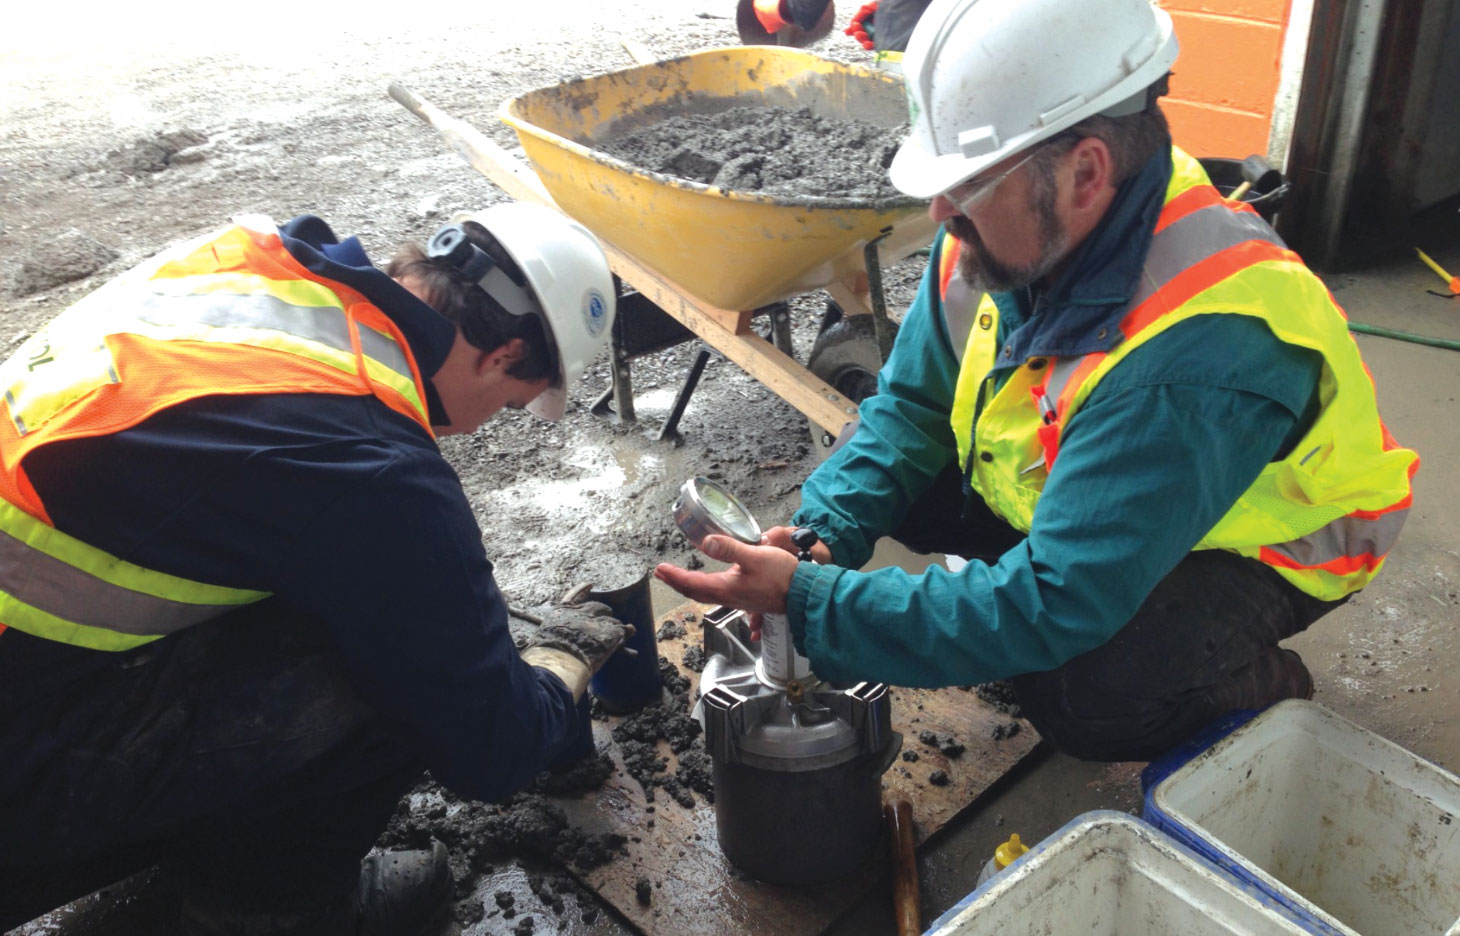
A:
(595, 312)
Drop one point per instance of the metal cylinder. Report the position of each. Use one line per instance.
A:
(801, 828)
(779, 661)
(797, 764)
(628, 683)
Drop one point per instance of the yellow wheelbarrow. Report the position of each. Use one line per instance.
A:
(709, 258)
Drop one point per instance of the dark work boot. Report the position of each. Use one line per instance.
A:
(399, 894)
(1299, 675)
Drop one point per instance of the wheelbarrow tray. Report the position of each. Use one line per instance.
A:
(732, 249)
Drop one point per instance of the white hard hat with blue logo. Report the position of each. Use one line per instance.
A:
(567, 271)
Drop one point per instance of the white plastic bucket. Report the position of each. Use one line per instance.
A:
(1334, 819)
(1110, 874)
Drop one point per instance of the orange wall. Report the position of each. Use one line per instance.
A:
(1226, 76)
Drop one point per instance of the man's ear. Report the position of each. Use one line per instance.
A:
(1093, 170)
(501, 357)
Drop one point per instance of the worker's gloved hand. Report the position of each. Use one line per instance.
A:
(575, 641)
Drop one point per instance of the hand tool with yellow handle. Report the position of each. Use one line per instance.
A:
(1453, 281)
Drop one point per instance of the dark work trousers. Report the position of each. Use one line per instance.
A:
(235, 754)
(1204, 643)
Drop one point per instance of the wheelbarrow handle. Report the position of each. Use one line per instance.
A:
(408, 99)
(491, 160)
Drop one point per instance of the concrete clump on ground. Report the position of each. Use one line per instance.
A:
(71, 255)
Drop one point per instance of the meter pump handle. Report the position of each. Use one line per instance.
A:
(803, 539)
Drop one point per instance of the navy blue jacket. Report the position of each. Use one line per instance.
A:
(347, 512)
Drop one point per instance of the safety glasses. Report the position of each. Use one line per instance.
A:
(969, 196)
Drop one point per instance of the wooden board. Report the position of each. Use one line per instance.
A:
(697, 891)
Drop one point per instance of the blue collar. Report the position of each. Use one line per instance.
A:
(430, 335)
(1081, 311)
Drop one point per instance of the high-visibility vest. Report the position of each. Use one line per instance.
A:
(1323, 517)
(232, 313)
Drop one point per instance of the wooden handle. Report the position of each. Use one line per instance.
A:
(509, 173)
(904, 867)
(407, 99)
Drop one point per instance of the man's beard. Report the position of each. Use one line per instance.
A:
(985, 273)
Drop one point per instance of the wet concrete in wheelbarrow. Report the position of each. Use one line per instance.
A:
(768, 151)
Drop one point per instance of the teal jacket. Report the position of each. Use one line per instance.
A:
(1162, 448)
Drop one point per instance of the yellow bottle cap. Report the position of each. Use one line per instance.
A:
(1007, 853)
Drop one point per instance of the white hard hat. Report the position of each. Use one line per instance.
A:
(989, 78)
(566, 269)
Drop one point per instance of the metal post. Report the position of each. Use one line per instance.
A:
(670, 429)
(881, 324)
(781, 327)
(621, 388)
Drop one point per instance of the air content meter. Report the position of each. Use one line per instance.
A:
(704, 507)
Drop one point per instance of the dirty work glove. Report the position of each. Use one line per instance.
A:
(574, 642)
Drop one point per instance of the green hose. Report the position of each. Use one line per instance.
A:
(1404, 336)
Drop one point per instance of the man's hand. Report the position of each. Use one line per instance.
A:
(756, 582)
(781, 536)
(574, 642)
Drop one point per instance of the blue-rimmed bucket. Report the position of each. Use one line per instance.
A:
(1340, 825)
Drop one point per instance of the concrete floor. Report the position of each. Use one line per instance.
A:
(1385, 661)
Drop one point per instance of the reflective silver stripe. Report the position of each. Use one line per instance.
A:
(60, 588)
(1059, 375)
(384, 349)
(959, 311)
(1201, 234)
(14, 417)
(325, 325)
(321, 324)
(1345, 537)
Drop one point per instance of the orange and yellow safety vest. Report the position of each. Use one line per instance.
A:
(1324, 517)
(231, 313)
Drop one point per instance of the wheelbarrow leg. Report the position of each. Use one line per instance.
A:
(621, 387)
(880, 322)
(781, 327)
(620, 390)
(670, 429)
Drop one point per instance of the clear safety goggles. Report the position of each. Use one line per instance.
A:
(968, 196)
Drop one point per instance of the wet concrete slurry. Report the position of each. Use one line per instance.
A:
(767, 150)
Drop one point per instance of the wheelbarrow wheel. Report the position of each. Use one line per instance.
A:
(846, 356)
